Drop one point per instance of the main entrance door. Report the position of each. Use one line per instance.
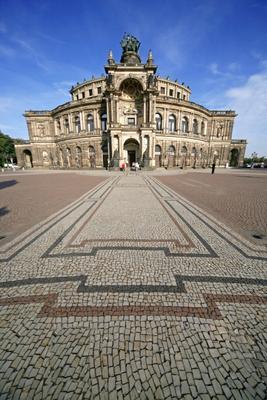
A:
(131, 157)
(131, 151)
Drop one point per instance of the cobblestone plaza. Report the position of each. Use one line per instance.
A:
(134, 291)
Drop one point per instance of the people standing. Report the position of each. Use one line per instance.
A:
(213, 167)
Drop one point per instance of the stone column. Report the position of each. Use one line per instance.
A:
(85, 155)
(62, 124)
(150, 109)
(115, 109)
(81, 116)
(55, 127)
(111, 108)
(179, 118)
(70, 123)
(108, 112)
(120, 147)
(165, 121)
(144, 109)
(96, 122)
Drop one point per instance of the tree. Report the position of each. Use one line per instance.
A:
(7, 148)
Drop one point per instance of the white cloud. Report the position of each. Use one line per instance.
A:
(214, 68)
(6, 51)
(250, 102)
(230, 70)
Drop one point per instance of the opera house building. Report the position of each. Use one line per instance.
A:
(130, 114)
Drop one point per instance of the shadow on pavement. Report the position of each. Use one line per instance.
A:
(5, 184)
(4, 211)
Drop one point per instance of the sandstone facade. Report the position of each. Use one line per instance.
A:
(130, 114)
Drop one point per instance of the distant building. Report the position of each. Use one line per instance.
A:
(130, 115)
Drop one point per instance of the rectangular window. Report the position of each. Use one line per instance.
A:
(83, 95)
(184, 97)
(162, 90)
(99, 90)
(178, 95)
(131, 121)
(90, 92)
(171, 92)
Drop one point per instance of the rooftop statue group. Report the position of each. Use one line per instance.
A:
(130, 43)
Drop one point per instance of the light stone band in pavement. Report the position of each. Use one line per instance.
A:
(132, 292)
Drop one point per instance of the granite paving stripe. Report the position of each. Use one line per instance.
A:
(166, 250)
(69, 229)
(211, 311)
(26, 245)
(22, 237)
(178, 288)
(175, 197)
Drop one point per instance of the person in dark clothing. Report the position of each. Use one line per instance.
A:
(213, 168)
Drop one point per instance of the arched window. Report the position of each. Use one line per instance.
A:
(77, 124)
(195, 127)
(90, 123)
(66, 125)
(185, 125)
(202, 128)
(172, 123)
(104, 122)
(158, 122)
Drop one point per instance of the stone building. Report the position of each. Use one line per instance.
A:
(130, 114)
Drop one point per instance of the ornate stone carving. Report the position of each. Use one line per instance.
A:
(130, 43)
(130, 46)
(41, 129)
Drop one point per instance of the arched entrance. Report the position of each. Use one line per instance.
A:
(78, 157)
(68, 157)
(61, 162)
(158, 155)
(91, 153)
(234, 157)
(27, 155)
(183, 156)
(193, 157)
(171, 156)
(131, 151)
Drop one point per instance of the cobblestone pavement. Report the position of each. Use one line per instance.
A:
(27, 197)
(236, 197)
(132, 292)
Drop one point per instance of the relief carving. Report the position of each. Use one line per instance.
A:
(41, 129)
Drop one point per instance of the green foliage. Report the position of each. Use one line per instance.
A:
(255, 159)
(7, 148)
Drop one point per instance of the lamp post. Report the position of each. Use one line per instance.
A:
(108, 138)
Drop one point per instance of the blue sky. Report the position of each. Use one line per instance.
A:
(218, 48)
